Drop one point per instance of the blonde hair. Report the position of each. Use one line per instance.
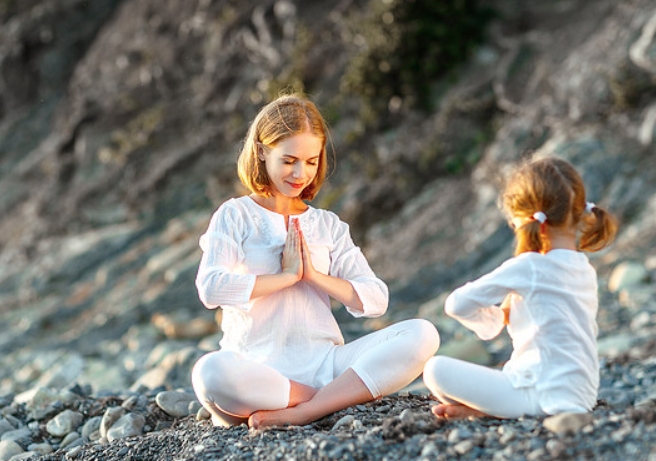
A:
(552, 186)
(282, 118)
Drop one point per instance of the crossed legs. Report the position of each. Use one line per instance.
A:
(383, 362)
(470, 390)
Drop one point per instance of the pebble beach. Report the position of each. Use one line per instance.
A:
(156, 422)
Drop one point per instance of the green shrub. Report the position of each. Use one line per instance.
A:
(403, 46)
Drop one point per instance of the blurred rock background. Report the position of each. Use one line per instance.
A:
(121, 121)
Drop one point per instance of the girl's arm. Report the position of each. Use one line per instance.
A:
(475, 304)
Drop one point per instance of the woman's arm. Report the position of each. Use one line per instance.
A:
(335, 287)
(292, 267)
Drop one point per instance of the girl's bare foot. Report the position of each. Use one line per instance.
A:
(456, 411)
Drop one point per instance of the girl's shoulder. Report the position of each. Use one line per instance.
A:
(554, 260)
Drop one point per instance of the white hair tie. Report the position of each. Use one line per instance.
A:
(589, 206)
(540, 217)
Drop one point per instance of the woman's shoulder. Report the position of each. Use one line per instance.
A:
(325, 218)
(232, 210)
(234, 203)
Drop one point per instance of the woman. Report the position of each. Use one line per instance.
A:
(272, 263)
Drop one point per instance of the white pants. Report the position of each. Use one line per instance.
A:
(386, 360)
(482, 388)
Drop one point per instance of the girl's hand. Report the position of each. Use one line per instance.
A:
(292, 253)
(505, 307)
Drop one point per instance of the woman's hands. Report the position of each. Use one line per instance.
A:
(292, 252)
(296, 257)
(297, 260)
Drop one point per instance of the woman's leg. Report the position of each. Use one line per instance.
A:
(377, 364)
(232, 387)
(344, 391)
(467, 389)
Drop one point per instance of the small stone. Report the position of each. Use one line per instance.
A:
(556, 448)
(65, 422)
(464, 447)
(5, 426)
(111, 415)
(127, 426)
(26, 455)
(567, 423)
(130, 403)
(616, 397)
(344, 421)
(458, 434)
(17, 434)
(9, 448)
(70, 439)
(41, 448)
(627, 274)
(73, 452)
(407, 417)
(91, 426)
(536, 455)
(203, 414)
(175, 403)
(194, 406)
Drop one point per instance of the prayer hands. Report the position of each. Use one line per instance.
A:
(292, 252)
(296, 258)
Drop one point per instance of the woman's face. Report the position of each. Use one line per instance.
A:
(292, 164)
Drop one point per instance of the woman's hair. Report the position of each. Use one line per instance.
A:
(552, 186)
(282, 118)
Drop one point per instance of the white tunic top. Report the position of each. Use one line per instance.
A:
(293, 329)
(552, 324)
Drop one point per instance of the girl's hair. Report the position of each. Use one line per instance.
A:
(554, 187)
(282, 118)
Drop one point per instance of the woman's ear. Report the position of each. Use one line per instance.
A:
(261, 155)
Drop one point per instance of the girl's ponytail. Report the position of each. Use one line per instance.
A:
(528, 238)
(598, 229)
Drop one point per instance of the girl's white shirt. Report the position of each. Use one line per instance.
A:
(552, 325)
(294, 329)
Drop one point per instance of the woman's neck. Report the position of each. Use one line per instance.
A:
(281, 204)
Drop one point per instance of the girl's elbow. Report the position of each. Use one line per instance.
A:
(450, 306)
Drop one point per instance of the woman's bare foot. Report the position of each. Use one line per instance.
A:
(299, 393)
(290, 415)
(344, 391)
(456, 411)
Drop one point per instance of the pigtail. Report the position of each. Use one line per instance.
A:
(598, 229)
(529, 238)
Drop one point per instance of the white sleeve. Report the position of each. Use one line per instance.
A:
(474, 304)
(219, 280)
(348, 263)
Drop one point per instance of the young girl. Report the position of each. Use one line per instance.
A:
(548, 298)
(272, 263)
